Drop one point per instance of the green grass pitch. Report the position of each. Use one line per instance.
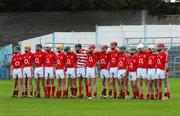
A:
(83, 107)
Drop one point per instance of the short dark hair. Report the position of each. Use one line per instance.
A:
(17, 47)
(78, 45)
(39, 45)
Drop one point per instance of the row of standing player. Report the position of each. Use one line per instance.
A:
(115, 65)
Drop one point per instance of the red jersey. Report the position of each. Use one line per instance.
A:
(17, 61)
(60, 60)
(50, 58)
(142, 59)
(92, 59)
(71, 60)
(162, 59)
(104, 60)
(114, 58)
(28, 59)
(152, 58)
(132, 63)
(39, 58)
(122, 61)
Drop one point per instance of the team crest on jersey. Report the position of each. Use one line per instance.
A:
(17, 63)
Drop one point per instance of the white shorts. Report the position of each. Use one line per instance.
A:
(60, 74)
(90, 72)
(151, 74)
(113, 72)
(49, 72)
(17, 73)
(160, 74)
(121, 73)
(142, 73)
(132, 76)
(39, 72)
(81, 72)
(27, 71)
(104, 73)
(71, 73)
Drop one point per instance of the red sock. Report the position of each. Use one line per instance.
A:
(80, 91)
(95, 93)
(16, 92)
(75, 91)
(152, 96)
(168, 94)
(123, 94)
(160, 95)
(156, 96)
(64, 93)
(137, 94)
(127, 93)
(59, 94)
(38, 94)
(48, 91)
(148, 96)
(86, 90)
(104, 92)
(31, 93)
(110, 92)
(115, 94)
(141, 96)
(72, 91)
(134, 94)
(53, 90)
(23, 93)
(89, 94)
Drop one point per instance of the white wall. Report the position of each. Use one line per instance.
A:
(75, 37)
(135, 34)
(107, 34)
(42, 39)
(31, 42)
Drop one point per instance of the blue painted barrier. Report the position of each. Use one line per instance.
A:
(3, 74)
